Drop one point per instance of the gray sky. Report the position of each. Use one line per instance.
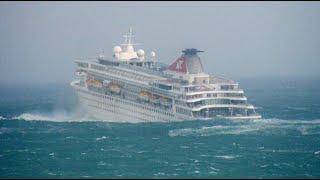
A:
(40, 40)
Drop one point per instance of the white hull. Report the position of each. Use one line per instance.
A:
(116, 109)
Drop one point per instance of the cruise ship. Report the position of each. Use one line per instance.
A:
(130, 86)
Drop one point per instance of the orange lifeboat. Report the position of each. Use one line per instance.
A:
(144, 95)
(114, 88)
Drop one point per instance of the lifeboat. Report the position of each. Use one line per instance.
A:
(144, 95)
(114, 88)
(94, 82)
(97, 83)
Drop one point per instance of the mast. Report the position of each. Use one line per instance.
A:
(128, 38)
(128, 45)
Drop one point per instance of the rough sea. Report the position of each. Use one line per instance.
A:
(44, 134)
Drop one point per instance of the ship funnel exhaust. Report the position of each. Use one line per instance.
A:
(191, 51)
(188, 63)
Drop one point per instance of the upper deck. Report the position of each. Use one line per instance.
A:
(185, 76)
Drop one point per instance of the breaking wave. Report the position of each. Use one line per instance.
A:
(66, 117)
(262, 126)
(56, 117)
(2, 118)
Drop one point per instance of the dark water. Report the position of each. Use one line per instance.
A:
(44, 135)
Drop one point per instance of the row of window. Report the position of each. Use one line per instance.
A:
(215, 95)
(83, 64)
(182, 111)
(216, 101)
(130, 103)
(97, 67)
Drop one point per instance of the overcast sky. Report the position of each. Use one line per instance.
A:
(39, 41)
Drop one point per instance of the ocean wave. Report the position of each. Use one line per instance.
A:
(227, 156)
(282, 121)
(56, 117)
(66, 117)
(27, 116)
(101, 138)
(2, 118)
(267, 126)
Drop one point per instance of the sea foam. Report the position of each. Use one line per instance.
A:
(305, 127)
(55, 117)
(67, 117)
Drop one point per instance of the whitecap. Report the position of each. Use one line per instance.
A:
(212, 172)
(100, 138)
(227, 157)
(215, 169)
(204, 155)
(2, 118)
(317, 152)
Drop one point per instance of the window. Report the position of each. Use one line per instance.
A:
(81, 64)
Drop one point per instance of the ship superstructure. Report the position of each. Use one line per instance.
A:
(131, 87)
